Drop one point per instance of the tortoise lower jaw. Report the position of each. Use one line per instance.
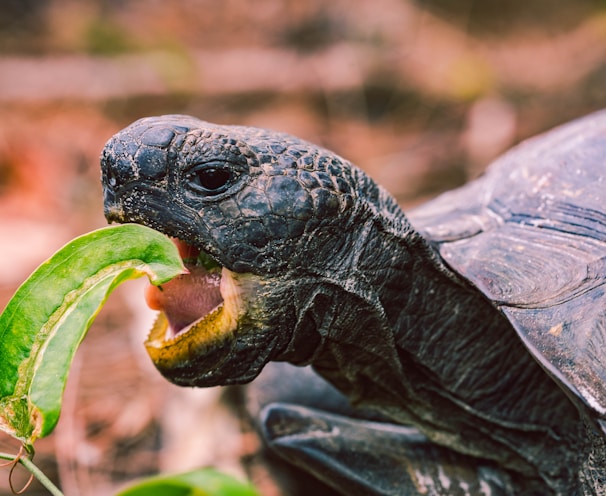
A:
(208, 342)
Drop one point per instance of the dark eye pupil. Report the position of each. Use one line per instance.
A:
(213, 179)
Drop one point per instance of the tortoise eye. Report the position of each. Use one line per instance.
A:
(210, 179)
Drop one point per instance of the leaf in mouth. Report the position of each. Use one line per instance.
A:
(47, 318)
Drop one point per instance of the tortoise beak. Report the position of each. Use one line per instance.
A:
(113, 212)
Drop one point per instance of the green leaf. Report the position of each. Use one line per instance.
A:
(47, 318)
(203, 482)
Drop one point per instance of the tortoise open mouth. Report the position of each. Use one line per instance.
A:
(191, 296)
(198, 310)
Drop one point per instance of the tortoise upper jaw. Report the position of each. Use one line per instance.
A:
(113, 212)
(151, 206)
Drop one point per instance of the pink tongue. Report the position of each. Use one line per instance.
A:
(188, 297)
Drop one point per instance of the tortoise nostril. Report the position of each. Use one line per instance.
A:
(111, 180)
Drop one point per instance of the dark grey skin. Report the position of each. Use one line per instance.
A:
(476, 335)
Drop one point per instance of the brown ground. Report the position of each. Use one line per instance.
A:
(420, 94)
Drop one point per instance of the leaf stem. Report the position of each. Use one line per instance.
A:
(38, 474)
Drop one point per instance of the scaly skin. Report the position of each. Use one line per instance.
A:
(336, 277)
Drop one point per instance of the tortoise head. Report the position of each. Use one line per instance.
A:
(261, 218)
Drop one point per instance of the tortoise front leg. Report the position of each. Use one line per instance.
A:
(374, 458)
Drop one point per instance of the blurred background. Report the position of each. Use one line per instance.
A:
(422, 94)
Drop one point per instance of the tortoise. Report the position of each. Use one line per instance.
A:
(468, 335)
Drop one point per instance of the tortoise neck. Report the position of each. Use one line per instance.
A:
(424, 347)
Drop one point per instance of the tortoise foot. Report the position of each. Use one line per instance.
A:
(374, 458)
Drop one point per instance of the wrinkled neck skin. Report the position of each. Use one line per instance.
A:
(392, 327)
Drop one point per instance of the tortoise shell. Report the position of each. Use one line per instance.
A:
(531, 235)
